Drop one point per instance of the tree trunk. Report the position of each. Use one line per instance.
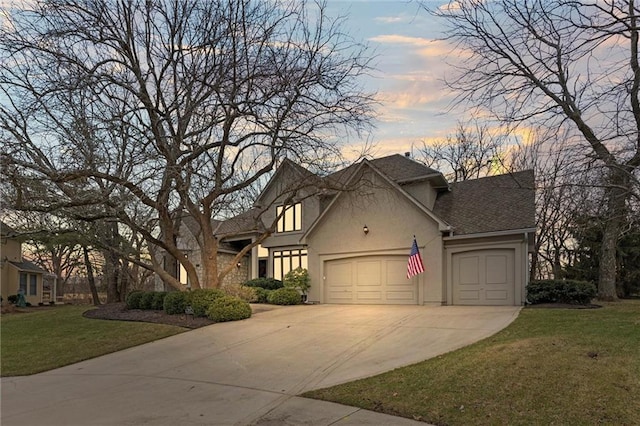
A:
(533, 267)
(210, 263)
(616, 211)
(110, 276)
(607, 273)
(91, 278)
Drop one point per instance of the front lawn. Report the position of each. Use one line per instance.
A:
(551, 366)
(42, 340)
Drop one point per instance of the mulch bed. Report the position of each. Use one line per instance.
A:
(119, 312)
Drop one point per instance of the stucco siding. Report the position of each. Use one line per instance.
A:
(423, 192)
(392, 220)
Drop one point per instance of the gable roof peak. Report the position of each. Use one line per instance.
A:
(404, 169)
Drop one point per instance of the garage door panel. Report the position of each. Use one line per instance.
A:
(396, 273)
(497, 295)
(341, 274)
(402, 296)
(483, 277)
(469, 270)
(374, 280)
(497, 269)
(345, 296)
(369, 296)
(469, 295)
(368, 273)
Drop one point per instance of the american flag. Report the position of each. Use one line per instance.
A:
(414, 266)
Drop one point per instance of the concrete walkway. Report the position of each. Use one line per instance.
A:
(249, 372)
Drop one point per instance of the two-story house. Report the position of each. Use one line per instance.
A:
(474, 236)
(18, 275)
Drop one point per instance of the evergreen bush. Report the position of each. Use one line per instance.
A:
(175, 302)
(262, 295)
(133, 299)
(146, 300)
(561, 291)
(228, 308)
(200, 299)
(284, 296)
(266, 283)
(157, 303)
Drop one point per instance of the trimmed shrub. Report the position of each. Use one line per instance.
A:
(248, 294)
(12, 298)
(133, 299)
(262, 295)
(158, 300)
(284, 296)
(146, 301)
(200, 299)
(299, 279)
(561, 291)
(266, 283)
(175, 302)
(228, 308)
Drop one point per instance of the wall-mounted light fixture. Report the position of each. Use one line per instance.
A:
(238, 265)
(365, 229)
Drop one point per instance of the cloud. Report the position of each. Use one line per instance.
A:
(401, 39)
(390, 19)
(423, 46)
(452, 6)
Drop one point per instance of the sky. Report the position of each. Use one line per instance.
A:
(410, 63)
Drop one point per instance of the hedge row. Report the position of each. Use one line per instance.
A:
(211, 303)
(265, 283)
(275, 292)
(561, 291)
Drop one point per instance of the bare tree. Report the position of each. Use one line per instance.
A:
(563, 192)
(472, 152)
(153, 109)
(560, 64)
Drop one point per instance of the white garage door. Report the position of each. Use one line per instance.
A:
(484, 277)
(369, 280)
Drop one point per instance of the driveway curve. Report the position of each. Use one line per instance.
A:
(249, 372)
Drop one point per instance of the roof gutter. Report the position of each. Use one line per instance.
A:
(491, 234)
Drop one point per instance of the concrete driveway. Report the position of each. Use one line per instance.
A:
(248, 372)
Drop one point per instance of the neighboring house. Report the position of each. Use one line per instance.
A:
(17, 273)
(474, 236)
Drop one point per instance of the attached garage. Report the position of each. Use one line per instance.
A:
(369, 280)
(484, 277)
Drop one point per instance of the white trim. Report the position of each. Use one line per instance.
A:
(491, 234)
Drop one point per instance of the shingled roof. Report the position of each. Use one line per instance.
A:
(496, 203)
(399, 168)
(6, 230)
(246, 222)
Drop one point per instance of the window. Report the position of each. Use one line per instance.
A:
(23, 283)
(33, 285)
(183, 277)
(291, 219)
(287, 260)
(30, 280)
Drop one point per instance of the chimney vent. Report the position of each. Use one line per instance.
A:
(407, 154)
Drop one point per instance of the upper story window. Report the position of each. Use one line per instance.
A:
(291, 219)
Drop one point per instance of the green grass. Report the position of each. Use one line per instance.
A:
(551, 366)
(39, 341)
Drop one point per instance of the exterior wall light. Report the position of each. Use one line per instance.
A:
(238, 265)
(365, 229)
